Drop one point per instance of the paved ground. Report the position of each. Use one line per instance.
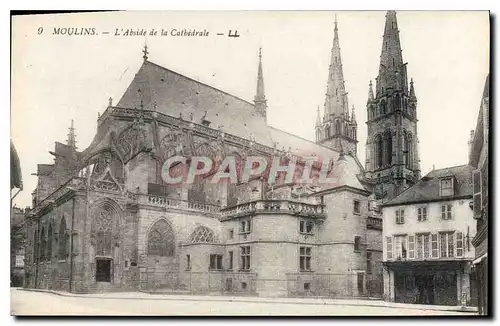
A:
(43, 303)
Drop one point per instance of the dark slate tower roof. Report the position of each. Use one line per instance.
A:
(336, 96)
(392, 70)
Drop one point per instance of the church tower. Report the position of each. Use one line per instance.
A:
(337, 129)
(392, 161)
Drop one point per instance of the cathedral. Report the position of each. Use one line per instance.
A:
(104, 219)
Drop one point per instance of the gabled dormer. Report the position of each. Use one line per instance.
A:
(447, 186)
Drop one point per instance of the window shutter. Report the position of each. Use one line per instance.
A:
(477, 200)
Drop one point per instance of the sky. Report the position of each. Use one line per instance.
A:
(56, 78)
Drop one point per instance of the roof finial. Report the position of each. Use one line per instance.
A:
(145, 52)
(71, 136)
(110, 102)
(260, 53)
(318, 117)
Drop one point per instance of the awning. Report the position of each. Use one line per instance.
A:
(480, 259)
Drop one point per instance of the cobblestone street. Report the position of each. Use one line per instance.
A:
(136, 304)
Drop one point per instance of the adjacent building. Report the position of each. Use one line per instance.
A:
(478, 161)
(427, 240)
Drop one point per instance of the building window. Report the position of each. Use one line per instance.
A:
(231, 234)
(161, 239)
(411, 247)
(369, 262)
(43, 244)
(400, 216)
(49, 243)
(422, 246)
(400, 246)
(188, 262)
(408, 150)
(446, 187)
(307, 286)
(215, 261)
(202, 234)
(477, 200)
(306, 226)
(460, 244)
(305, 258)
(446, 244)
(63, 240)
(434, 239)
(230, 260)
(383, 107)
(422, 214)
(245, 226)
(245, 258)
(388, 241)
(379, 150)
(357, 209)
(357, 243)
(103, 270)
(446, 212)
(388, 148)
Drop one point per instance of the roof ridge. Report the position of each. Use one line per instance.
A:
(446, 168)
(308, 140)
(200, 82)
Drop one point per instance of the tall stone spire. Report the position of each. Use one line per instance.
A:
(392, 160)
(336, 96)
(71, 136)
(336, 130)
(392, 70)
(260, 96)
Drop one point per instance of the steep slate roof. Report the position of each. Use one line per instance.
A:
(174, 93)
(427, 188)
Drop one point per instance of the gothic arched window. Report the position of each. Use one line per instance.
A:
(397, 102)
(408, 150)
(116, 166)
(43, 244)
(388, 148)
(63, 240)
(202, 234)
(103, 229)
(338, 127)
(327, 131)
(378, 151)
(353, 131)
(49, 242)
(161, 239)
(383, 107)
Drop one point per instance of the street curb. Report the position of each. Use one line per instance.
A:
(266, 300)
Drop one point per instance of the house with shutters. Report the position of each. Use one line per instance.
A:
(478, 160)
(427, 240)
